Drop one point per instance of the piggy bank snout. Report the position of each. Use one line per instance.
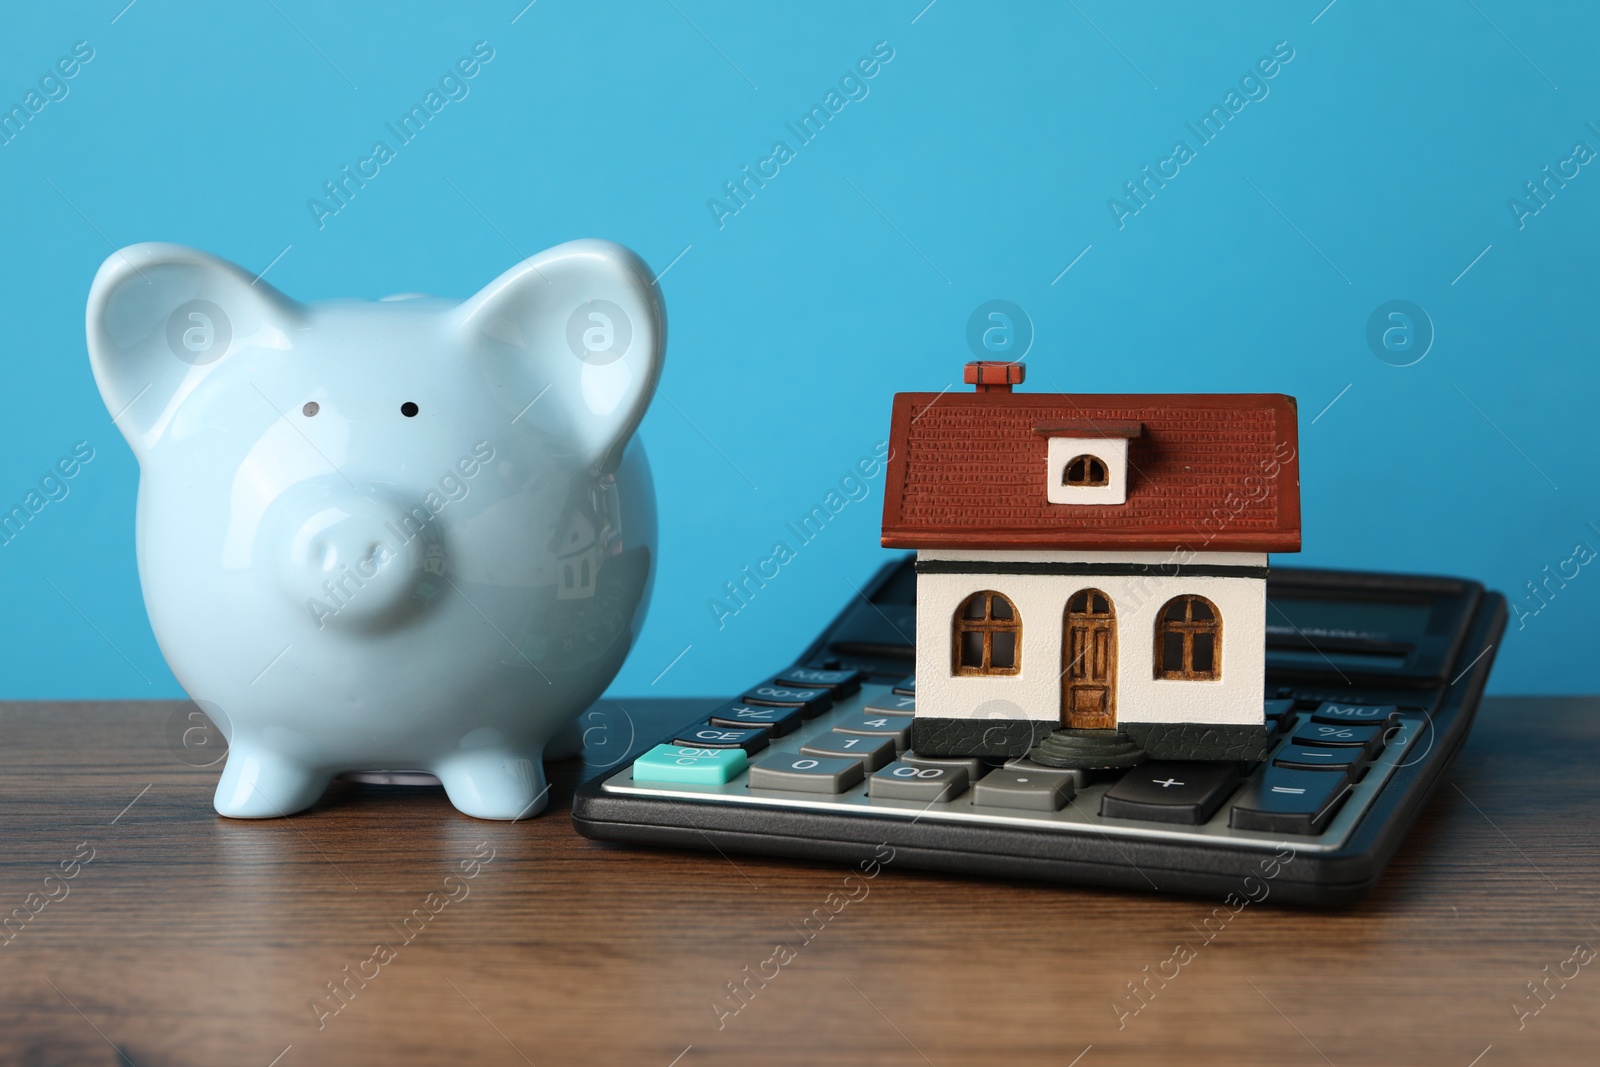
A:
(354, 559)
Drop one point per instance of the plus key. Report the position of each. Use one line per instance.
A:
(1188, 793)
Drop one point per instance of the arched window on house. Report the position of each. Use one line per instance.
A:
(987, 636)
(1189, 640)
(1085, 470)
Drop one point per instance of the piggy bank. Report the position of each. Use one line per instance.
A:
(408, 534)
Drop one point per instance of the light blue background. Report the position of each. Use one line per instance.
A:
(978, 167)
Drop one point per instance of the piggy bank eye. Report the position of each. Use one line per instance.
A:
(310, 409)
(408, 409)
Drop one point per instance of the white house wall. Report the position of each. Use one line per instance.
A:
(1041, 600)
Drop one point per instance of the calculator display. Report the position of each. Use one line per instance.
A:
(1394, 617)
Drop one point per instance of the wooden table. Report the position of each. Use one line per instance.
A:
(184, 938)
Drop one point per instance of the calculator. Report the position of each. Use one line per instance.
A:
(1372, 683)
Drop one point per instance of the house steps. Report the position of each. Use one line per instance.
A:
(1087, 750)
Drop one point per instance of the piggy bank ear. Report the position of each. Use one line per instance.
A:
(572, 342)
(160, 317)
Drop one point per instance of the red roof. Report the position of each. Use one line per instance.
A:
(1217, 472)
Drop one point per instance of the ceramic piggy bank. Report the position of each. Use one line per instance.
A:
(410, 534)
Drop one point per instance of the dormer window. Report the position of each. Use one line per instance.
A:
(1086, 460)
(1085, 470)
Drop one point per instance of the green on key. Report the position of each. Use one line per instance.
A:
(685, 763)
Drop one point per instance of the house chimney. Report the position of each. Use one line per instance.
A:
(994, 376)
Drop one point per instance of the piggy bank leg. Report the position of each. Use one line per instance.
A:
(566, 744)
(258, 783)
(495, 784)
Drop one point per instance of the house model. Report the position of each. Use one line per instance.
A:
(1091, 570)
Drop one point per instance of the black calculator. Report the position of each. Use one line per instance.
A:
(1372, 682)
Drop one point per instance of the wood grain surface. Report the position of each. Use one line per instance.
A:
(184, 938)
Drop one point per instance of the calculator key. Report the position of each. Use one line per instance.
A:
(1369, 738)
(1280, 716)
(1007, 788)
(776, 721)
(907, 781)
(892, 705)
(873, 752)
(690, 763)
(895, 726)
(907, 686)
(1286, 801)
(708, 734)
(1171, 791)
(811, 702)
(805, 774)
(1277, 709)
(1023, 764)
(1337, 714)
(840, 683)
(974, 766)
(1321, 758)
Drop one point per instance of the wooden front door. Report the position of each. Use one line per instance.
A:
(1089, 662)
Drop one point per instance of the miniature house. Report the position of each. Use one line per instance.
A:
(1091, 570)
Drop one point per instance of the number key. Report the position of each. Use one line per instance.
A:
(974, 766)
(873, 752)
(892, 705)
(907, 781)
(870, 725)
(805, 774)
